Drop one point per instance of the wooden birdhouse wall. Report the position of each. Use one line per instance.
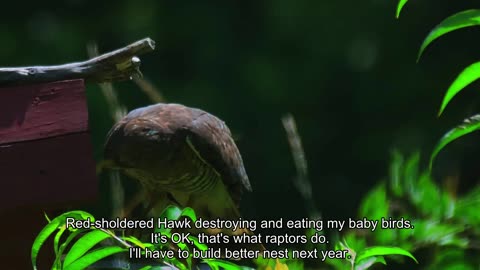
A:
(46, 160)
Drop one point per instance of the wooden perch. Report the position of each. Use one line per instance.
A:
(119, 65)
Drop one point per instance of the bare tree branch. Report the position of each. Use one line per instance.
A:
(118, 65)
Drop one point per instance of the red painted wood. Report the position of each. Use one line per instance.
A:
(42, 110)
(58, 170)
(46, 163)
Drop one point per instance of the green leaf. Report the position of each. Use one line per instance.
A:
(215, 264)
(149, 267)
(367, 262)
(433, 232)
(40, 240)
(375, 205)
(93, 257)
(466, 77)
(83, 245)
(400, 5)
(64, 245)
(448, 203)
(171, 212)
(56, 240)
(467, 208)
(137, 242)
(354, 242)
(457, 21)
(291, 264)
(189, 212)
(212, 265)
(396, 166)
(382, 251)
(262, 262)
(53, 225)
(469, 125)
(427, 197)
(411, 172)
(451, 259)
(200, 246)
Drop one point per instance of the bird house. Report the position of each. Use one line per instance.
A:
(45, 149)
(46, 158)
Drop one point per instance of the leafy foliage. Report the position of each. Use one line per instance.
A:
(87, 246)
(366, 257)
(400, 5)
(382, 251)
(466, 77)
(443, 223)
(469, 125)
(454, 22)
(58, 223)
(457, 21)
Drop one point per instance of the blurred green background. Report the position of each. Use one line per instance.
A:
(345, 69)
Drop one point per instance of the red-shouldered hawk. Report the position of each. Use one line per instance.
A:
(185, 153)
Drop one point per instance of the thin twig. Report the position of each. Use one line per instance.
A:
(120, 240)
(117, 111)
(149, 89)
(301, 181)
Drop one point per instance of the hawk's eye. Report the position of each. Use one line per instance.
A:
(150, 132)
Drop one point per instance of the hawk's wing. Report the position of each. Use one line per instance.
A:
(213, 142)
